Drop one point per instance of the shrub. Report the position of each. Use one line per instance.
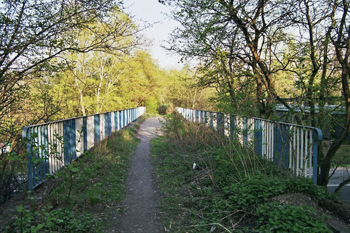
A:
(163, 109)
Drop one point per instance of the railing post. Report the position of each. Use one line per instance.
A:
(108, 124)
(90, 126)
(232, 126)
(79, 144)
(245, 131)
(120, 120)
(220, 123)
(69, 138)
(127, 117)
(44, 151)
(96, 129)
(85, 134)
(102, 126)
(258, 136)
(317, 137)
(25, 136)
(116, 121)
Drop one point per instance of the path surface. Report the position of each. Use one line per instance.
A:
(141, 213)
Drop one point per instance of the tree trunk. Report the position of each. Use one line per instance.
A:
(80, 96)
(341, 185)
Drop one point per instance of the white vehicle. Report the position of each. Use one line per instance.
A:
(5, 147)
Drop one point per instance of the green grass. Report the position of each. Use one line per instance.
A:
(230, 187)
(102, 172)
(83, 196)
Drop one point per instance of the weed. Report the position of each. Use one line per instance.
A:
(274, 217)
(253, 191)
(58, 220)
(192, 136)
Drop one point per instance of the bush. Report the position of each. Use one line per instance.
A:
(163, 109)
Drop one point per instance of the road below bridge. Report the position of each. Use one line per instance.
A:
(334, 182)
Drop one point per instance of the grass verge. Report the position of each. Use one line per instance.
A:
(83, 195)
(212, 184)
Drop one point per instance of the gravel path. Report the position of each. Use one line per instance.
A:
(140, 206)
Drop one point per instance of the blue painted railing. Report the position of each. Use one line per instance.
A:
(288, 145)
(53, 145)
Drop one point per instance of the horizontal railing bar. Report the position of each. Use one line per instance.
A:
(73, 118)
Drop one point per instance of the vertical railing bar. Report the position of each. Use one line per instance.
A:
(298, 152)
(310, 149)
(302, 144)
(290, 156)
(306, 146)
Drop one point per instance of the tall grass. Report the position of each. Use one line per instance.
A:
(211, 182)
(215, 151)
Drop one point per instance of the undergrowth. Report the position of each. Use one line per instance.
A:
(81, 196)
(210, 183)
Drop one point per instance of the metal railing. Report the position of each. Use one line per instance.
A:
(288, 145)
(55, 144)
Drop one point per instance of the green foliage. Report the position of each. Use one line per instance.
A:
(274, 217)
(105, 166)
(152, 104)
(80, 77)
(250, 192)
(12, 171)
(181, 88)
(53, 32)
(57, 220)
(305, 186)
(256, 60)
(24, 220)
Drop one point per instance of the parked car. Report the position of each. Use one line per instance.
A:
(5, 147)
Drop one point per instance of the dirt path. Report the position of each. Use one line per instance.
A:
(140, 206)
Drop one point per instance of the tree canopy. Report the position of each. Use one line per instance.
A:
(268, 50)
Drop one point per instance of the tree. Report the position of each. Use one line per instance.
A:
(246, 34)
(98, 73)
(316, 65)
(308, 41)
(340, 37)
(180, 88)
(35, 37)
(34, 32)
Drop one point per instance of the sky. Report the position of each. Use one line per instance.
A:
(153, 12)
